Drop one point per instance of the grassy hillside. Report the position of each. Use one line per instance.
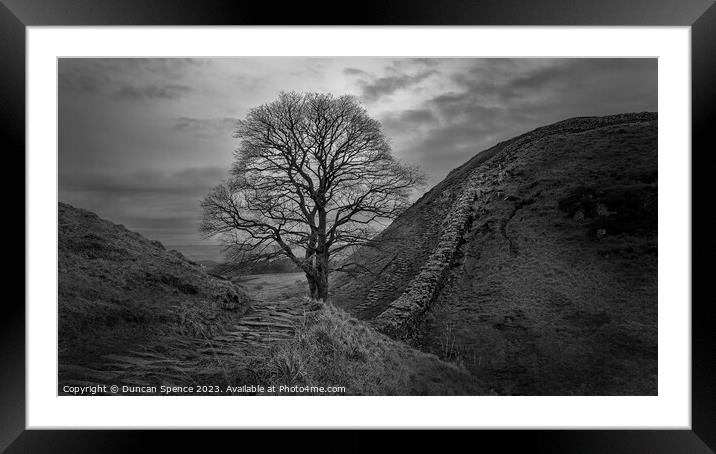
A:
(132, 313)
(332, 348)
(552, 287)
(118, 289)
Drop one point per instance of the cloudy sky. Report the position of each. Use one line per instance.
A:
(141, 141)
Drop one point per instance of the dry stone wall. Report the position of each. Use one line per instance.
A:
(404, 313)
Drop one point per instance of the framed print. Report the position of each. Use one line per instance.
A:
(246, 217)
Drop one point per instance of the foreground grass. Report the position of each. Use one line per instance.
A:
(328, 349)
(331, 348)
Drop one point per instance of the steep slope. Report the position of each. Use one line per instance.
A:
(118, 289)
(330, 347)
(134, 314)
(534, 264)
(397, 253)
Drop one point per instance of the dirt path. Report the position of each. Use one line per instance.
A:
(273, 287)
(208, 361)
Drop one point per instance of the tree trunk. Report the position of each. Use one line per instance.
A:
(322, 275)
(318, 279)
(312, 287)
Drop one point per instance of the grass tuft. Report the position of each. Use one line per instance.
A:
(330, 348)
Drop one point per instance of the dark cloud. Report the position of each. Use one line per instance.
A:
(205, 127)
(159, 205)
(168, 217)
(384, 86)
(593, 86)
(160, 68)
(409, 120)
(120, 159)
(167, 91)
(431, 62)
(498, 99)
(450, 144)
(196, 181)
(355, 72)
(166, 224)
(172, 68)
(373, 88)
(82, 83)
(418, 116)
(515, 80)
(252, 83)
(106, 74)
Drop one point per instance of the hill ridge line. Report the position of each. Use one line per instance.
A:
(403, 314)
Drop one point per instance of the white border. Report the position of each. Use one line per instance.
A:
(671, 409)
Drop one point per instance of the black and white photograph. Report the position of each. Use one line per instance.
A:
(369, 226)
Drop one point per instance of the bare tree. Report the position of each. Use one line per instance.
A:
(313, 175)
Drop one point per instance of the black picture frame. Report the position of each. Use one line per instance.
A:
(16, 15)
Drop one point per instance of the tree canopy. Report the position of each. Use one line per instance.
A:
(312, 176)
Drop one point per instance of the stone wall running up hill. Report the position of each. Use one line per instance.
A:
(542, 277)
(404, 312)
